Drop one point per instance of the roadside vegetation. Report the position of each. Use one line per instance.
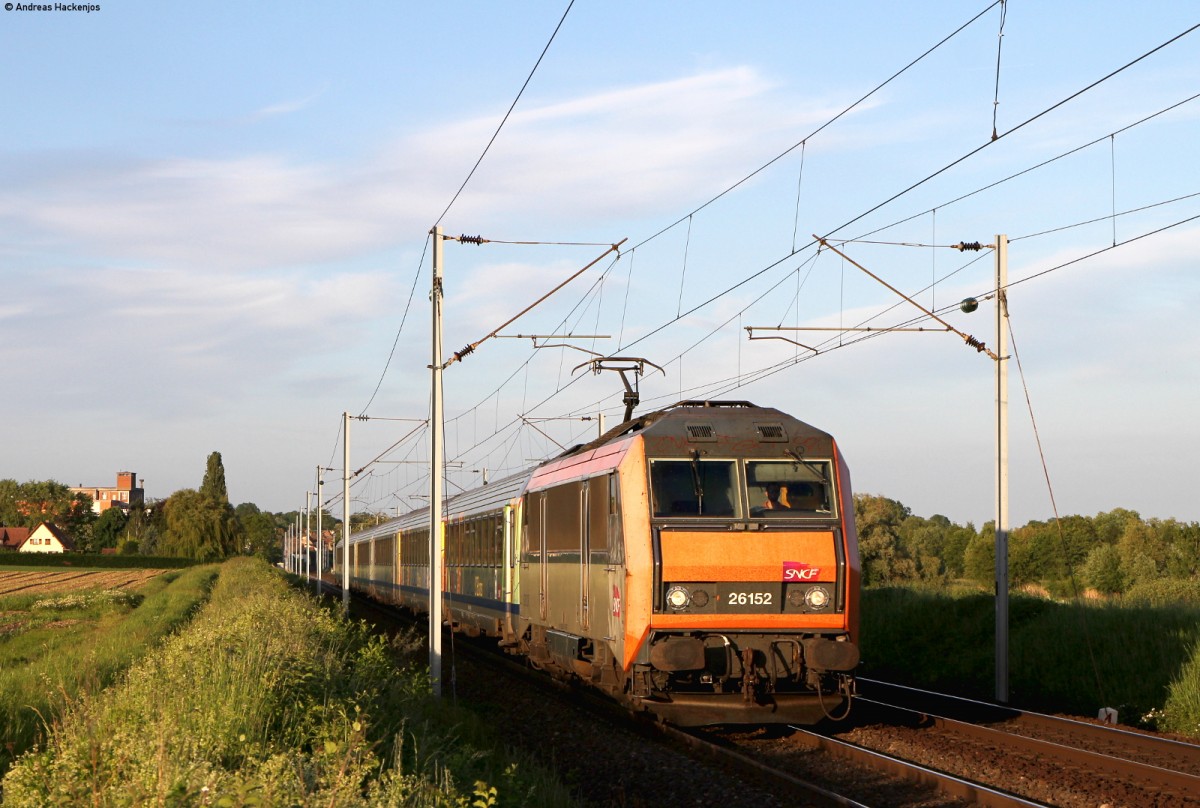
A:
(59, 646)
(268, 699)
(1104, 610)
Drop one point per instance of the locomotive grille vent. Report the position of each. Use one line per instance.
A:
(701, 432)
(771, 433)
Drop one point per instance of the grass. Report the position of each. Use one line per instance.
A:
(1063, 657)
(268, 699)
(56, 648)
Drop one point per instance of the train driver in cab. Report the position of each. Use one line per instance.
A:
(776, 498)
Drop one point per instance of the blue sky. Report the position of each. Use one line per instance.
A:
(214, 218)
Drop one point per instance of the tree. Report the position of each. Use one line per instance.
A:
(202, 524)
(1102, 570)
(213, 485)
(31, 503)
(146, 525)
(979, 559)
(1112, 525)
(1143, 553)
(878, 521)
(260, 535)
(108, 529)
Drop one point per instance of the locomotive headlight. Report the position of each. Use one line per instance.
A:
(817, 597)
(677, 597)
(699, 598)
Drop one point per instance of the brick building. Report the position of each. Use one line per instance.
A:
(128, 491)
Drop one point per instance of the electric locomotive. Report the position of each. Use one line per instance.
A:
(699, 563)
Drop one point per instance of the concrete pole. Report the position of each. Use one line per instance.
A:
(306, 545)
(435, 475)
(346, 513)
(320, 537)
(1001, 470)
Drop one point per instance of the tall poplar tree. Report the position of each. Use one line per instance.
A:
(202, 524)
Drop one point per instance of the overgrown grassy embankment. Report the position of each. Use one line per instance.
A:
(55, 648)
(267, 699)
(1063, 657)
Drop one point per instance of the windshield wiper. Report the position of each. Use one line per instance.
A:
(815, 469)
(697, 488)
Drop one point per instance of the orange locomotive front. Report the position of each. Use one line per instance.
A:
(699, 563)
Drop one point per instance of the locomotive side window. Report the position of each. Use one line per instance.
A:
(790, 488)
(598, 505)
(694, 487)
(563, 526)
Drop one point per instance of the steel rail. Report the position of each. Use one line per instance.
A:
(1171, 781)
(947, 784)
(1110, 736)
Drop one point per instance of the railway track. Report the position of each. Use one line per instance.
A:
(1071, 761)
(1004, 754)
(905, 748)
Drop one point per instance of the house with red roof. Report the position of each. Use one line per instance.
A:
(11, 538)
(47, 538)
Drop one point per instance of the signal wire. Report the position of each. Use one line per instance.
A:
(1035, 167)
(820, 128)
(504, 120)
(999, 43)
(400, 330)
(1016, 128)
(917, 184)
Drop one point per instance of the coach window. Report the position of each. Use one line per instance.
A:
(694, 487)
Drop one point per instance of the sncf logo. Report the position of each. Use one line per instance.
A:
(799, 571)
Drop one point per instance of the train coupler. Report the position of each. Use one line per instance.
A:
(749, 676)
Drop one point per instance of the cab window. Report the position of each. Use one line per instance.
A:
(789, 488)
(694, 487)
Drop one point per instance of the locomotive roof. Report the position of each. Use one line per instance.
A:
(719, 427)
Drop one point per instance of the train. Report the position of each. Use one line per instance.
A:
(698, 563)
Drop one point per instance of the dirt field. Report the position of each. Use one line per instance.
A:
(36, 582)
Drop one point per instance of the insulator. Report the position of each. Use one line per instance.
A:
(465, 352)
(976, 344)
(973, 246)
(471, 239)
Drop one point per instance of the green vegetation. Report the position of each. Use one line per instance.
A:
(1063, 657)
(266, 699)
(31, 503)
(1111, 553)
(58, 648)
(1105, 610)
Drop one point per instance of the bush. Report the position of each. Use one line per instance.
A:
(1164, 592)
(1181, 713)
(266, 699)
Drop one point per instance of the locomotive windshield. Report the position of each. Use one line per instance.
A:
(694, 487)
(790, 488)
(774, 489)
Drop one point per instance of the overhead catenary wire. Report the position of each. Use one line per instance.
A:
(847, 110)
(459, 355)
(681, 314)
(507, 114)
(920, 182)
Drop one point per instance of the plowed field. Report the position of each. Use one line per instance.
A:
(36, 582)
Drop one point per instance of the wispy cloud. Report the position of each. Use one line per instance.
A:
(287, 107)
